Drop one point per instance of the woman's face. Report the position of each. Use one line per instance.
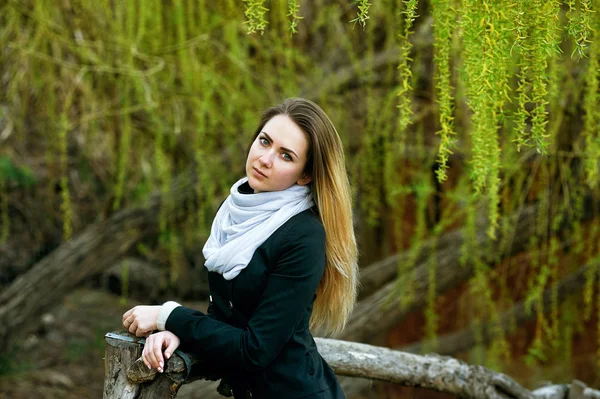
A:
(277, 156)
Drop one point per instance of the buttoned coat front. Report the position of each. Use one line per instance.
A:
(256, 332)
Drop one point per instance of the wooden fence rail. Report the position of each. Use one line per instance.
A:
(126, 376)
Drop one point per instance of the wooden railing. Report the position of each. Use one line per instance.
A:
(126, 376)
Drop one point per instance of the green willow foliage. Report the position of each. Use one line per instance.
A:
(408, 15)
(255, 12)
(578, 24)
(444, 17)
(363, 12)
(447, 110)
(293, 13)
(487, 45)
(591, 130)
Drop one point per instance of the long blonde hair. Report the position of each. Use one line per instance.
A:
(336, 295)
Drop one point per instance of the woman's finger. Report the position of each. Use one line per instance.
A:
(127, 322)
(145, 356)
(152, 353)
(157, 351)
(156, 355)
(127, 314)
(149, 353)
(133, 327)
(140, 332)
(173, 344)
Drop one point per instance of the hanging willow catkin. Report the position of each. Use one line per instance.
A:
(65, 195)
(591, 105)
(486, 42)
(373, 154)
(256, 16)
(405, 284)
(124, 122)
(124, 25)
(431, 315)
(409, 11)
(362, 15)
(444, 19)
(294, 14)
(557, 74)
(537, 56)
(579, 15)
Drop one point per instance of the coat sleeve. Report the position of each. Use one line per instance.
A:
(289, 291)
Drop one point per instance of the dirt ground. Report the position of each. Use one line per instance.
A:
(65, 357)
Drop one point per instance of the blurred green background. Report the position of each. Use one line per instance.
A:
(458, 117)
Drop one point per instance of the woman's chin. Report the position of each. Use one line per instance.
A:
(254, 185)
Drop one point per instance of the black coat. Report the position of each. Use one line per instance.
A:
(257, 331)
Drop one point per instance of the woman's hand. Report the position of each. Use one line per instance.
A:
(152, 354)
(141, 320)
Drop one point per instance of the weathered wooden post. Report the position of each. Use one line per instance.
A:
(126, 376)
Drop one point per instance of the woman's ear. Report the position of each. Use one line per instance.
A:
(304, 180)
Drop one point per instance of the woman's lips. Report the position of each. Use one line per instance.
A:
(258, 173)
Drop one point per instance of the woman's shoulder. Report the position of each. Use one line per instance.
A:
(303, 223)
(300, 244)
(304, 227)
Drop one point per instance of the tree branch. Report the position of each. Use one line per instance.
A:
(443, 374)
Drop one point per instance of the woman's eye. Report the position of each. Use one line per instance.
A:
(287, 156)
(264, 141)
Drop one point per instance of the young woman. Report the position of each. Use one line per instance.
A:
(281, 256)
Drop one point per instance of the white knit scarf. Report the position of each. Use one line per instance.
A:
(245, 221)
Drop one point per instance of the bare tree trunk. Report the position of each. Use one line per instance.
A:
(95, 249)
(443, 374)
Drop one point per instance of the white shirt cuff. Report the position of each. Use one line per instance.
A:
(163, 315)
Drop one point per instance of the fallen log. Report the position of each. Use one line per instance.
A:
(95, 249)
(378, 274)
(134, 275)
(461, 341)
(130, 379)
(364, 325)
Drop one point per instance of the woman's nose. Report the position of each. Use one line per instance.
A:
(266, 159)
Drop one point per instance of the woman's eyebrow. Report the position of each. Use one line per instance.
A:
(283, 148)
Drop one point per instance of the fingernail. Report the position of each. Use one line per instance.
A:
(160, 364)
(148, 366)
(160, 370)
(167, 355)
